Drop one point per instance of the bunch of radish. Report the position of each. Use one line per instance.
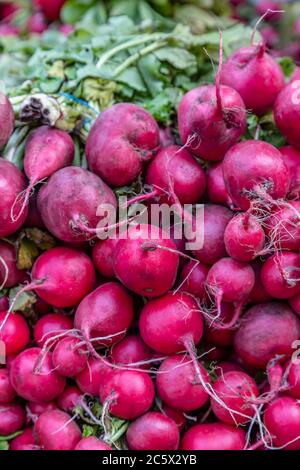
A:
(187, 348)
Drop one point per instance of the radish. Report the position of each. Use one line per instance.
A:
(12, 417)
(174, 167)
(105, 314)
(176, 415)
(255, 75)
(37, 23)
(127, 394)
(295, 303)
(216, 189)
(47, 150)
(10, 275)
(177, 384)
(93, 376)
(103, 252)
(213, 436)
(62, 276)
(146, 261)
(282, 420)
(286, 113)
(193, 279)
(237, 390)
(278, 328)
(34, 410)
(171, 323)
(37, 386)
(79, 194)
(7, 120)
(153, 431)
(244, 237)
(258, 293)
(254, 170)
(69, 398)
(280, 275)
(7, 393)
(15, 332)
(229, 280)
(12, 183)
(211, 118)
(221, 337)
(216, 219)
(291, 158)
(4, 303)
(34, 219)
(224, 367)
(69, 357)
(92, 443)
(25, 441)
(51, 8)
(131, 350)
(48, 328)
(66, 29)
(122, 138)
(56, 431)
(283, 227)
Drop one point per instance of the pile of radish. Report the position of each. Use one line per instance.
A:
(136, 341)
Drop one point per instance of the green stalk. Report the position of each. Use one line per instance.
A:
(135, 57)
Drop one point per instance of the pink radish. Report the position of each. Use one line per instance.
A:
(103, 253)
(93, 376)
(221, 337)
(49, 327)
(12, 417)
(56, 431)
(69, 398)
(244, 237)
(213, 436)
(258, 293)
(291, 158)
(131, 350)
(286, 112)
(10, 275)
(280, 275)
(69, 357)
(6, 119)
(123, 137)
(153, 431)
(216, 189)
(14, 333)
(283, 227)
(7, 393)
(92, 443)
(193, 279)
(25, 441)
(282, 420)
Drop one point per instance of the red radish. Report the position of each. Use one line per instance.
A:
(211, 119)
(51, 8)
(280, 275)
(258, 293)
(176, 415)
(123, 137)
(255, 75)
(49, 327)
(244, 237)
(93, 376)
(153, 431)
(8, 9)
(7, 393)
(216, 219)
(282, 419)
(34, 219)
(41, 307)
(66, 29)
(296, 74)
(92, 443)
(254, 169)
(221, 337)
(166, 136)
(286, 112)
(34, 410)
(69, 398)
(177, 384)
(12, 183)
(278, 328)
(6, 119)
(37, 23)
(224, 367)
(146, 261)
(14, 332)
(283, 227)
(213, 436)
(127, 393)
(237, 390)
(25, 441)
(174, 167)
(79, 194)
(291, 158)
(4, 303)
(105, 314)
(131, 350)
(295, 303)
(193, 278)
(171, 323)
(37, 386)
(69, 357)
(293, 380)
(56, 431)
(12, 417)
(216, 189)
(229, 280)
(103, 253)
(47, 150)
(62, 276)
(10, 275)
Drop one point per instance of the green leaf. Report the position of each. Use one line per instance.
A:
(288, 66)
(177, 57)
(24, 302)
(4, 445)
(88, 430)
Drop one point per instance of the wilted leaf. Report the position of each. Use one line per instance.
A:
(27, 253)
(42, 239)
(24, 302)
